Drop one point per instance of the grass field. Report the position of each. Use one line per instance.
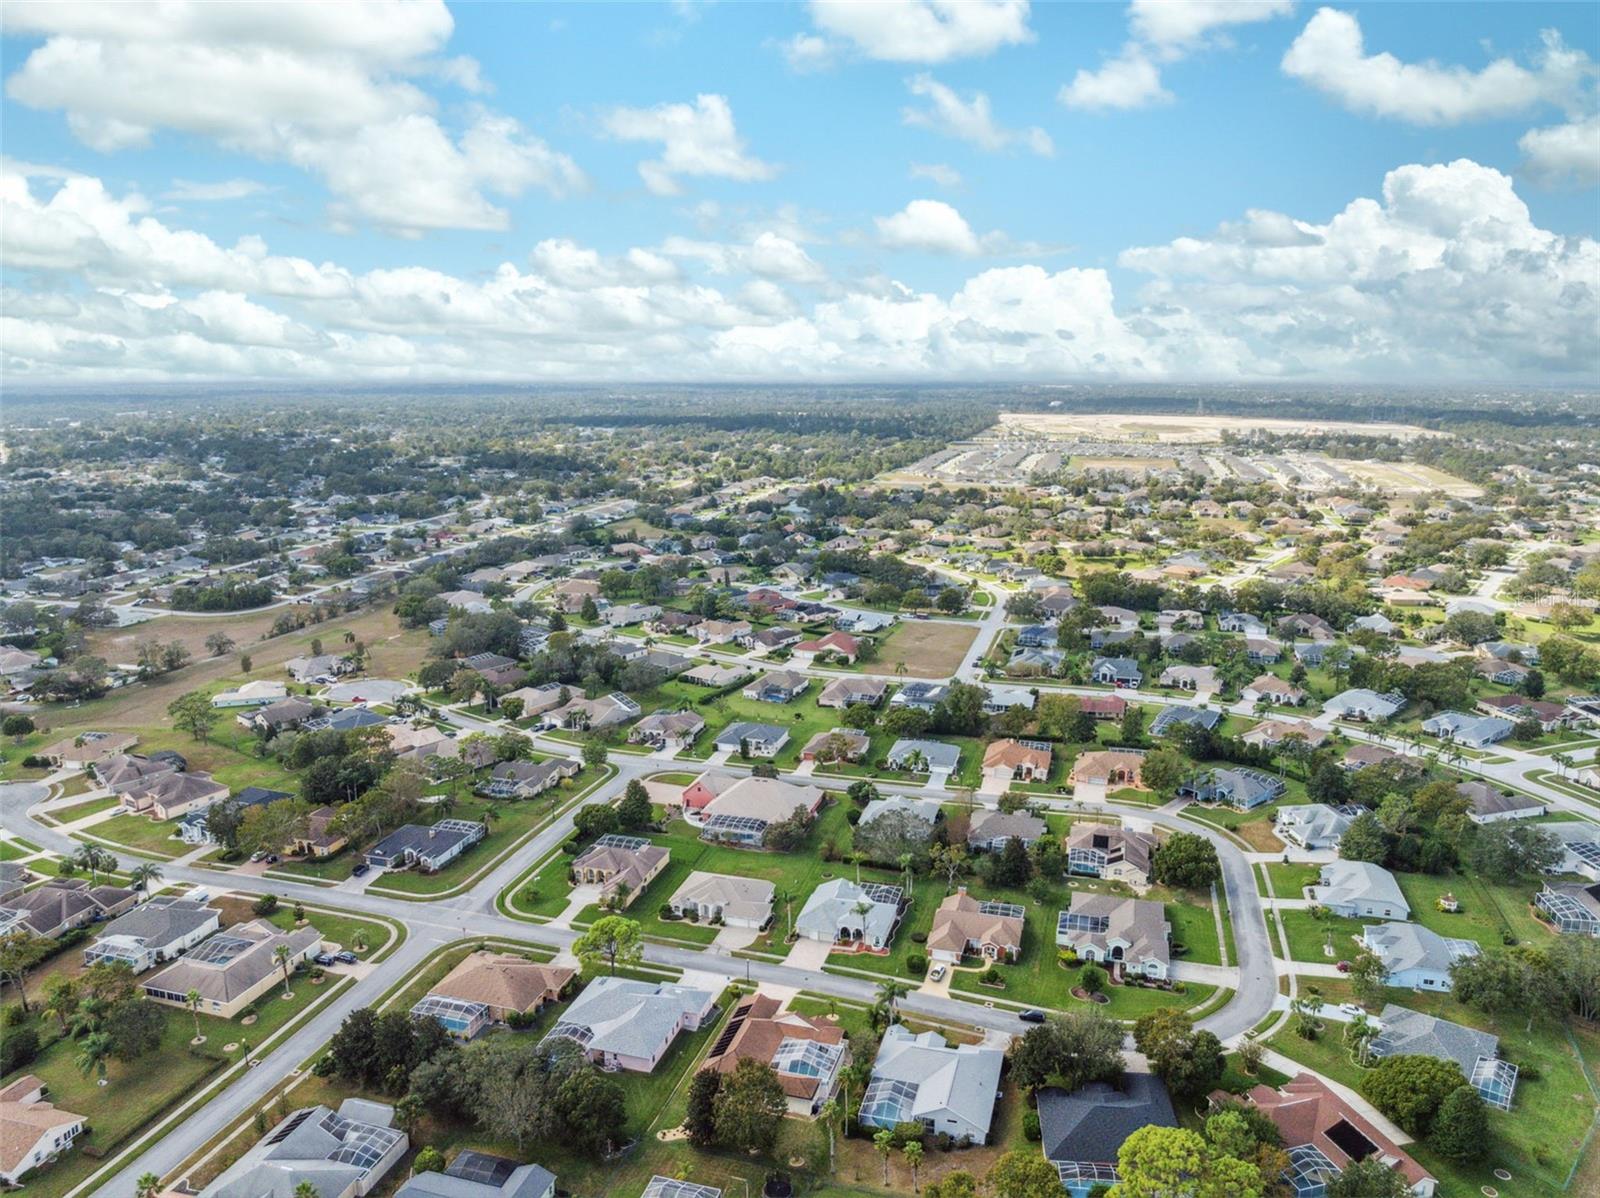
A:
(928, 648)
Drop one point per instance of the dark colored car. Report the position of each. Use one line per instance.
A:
(323, 959)
(360, 870)
(346, 958)
(1031, 1016)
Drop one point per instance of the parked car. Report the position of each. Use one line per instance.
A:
(256, 856)
(1031, 1016)
(360, 869)
(346, 958)
(272, 858)
(323, 959)
(1351, 1009)
(936, 973)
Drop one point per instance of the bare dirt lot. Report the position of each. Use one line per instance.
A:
(1182, 430)
(928, 648)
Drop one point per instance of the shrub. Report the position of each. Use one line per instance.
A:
(916, 964)
(14, 1017)
(265, 905)
(1030, 1126)
(993, 977)
(667, 912)
(919, 937)
(429, 1160)
(942, 1141)
(18, 1047)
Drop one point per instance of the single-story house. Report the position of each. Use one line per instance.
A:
(1413, 1033)
(1413, 956)
(475, 1174)
(1008, 760)
(964, 926)
(780, 686)
(741, 814)
(845, 692)
(836, 744)
(157, 930)
(591, 715)
(1312, 825)
(841, 912)
(752, 740)
(1200, 679)
(1274, 734)
(834, 644)
(340, 1155)
(62, 904)
(1473, 731)
(252, 694)
(233, 968)
(430, 847)
(33, 1131)
(167, 796)
(1241, 787)
(1133, 933)
(1111, 851)
(1171, 716)
(808, 1052)
(1359, 890)
(87, 748)
(1271, 689)
(738, 902)
(937, 758)
(528, 779)
(668, 729)
(1120, 672)
(922, 1079)
(487, 988)
(279, 715)
(1364, 706)
(1082, 1131)
(921, 696)
(625, 864)
(1108, 767)
(622, 1023)
(989, 830)
(1491, 804)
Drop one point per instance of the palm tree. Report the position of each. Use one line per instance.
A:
(889, 993)
(93, 859)
(883, 1141)
(192, 999)
(829, 1115)
(905, 870)
(148, 1186)
(306, 1190)
(140, 876)
(490, 814)
(61, 1000)
(1359, 1034)
(281, 955)
(913, 1155)
(87, 1015)
(94, 1055)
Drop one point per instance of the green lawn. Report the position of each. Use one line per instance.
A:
(1289, 881)
(1539, 1139)
(1308, 934)
(1195, 927)
(1488, 911)
(77, 811)
(139, 834)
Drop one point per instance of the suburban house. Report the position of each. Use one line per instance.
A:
(836, 744)
(742, 813)
(1491, 804)
(752, 740)
(430, 847)
(536, 700)
(278, 715)
(1109, 767)
(715, 676)
(845, 692)
(1238, 787)
(1473, 731)
(528, 779)
(1111, 851)
(170, 795)
(1000, 699)
(1127, 932)
(1008, 760)
(62, 904)
(156, 931)
(1082, 1131)
(1412, 1033)
(252, 694)
(233, 968)
(925, 812)
(569, 595)
(967, 927)
(625, 614)
(989, 830)
(487, 988)
(1200, 679)
(343, 1154)
(1103, 707)
(1269, 688)
(1572, 907)
(834, 644)
(127, 771)
(1121, 672)
(625, 864)
(1364, 706)
(1312, 825)
(841, 912)
(13, 879)
(1359, 890)
(591, 715)
(780, 686)
(921, 696)
(807, 1051)
(922, 1079)
(622, 1023)
(1170, 717)
(668, 729)
(33, 1131)
(720, 632)
(1322, 1133)
(475, 1174)
(737, 902)
(86, 748)
(322, 667)
(1275, 734)
(933, 757)
(1414, 956)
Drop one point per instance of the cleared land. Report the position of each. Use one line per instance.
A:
(928, 648)
(1186, 430)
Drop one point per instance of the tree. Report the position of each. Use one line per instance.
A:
(1093, 978)
(700, 1123)
(1164, 770)
(949, 860)
(61, 998)
(1162, 1162)
(429, 1160)
(1506, 851)
(593, 1110)
(307, 1189)
(1020, 1174)
(1186, 860)
(20, 951)
(1461, 1126)
(1369, 1178)
(883, 1144)
(16, 726)
(135, 1028)
(1012, 867)
(912, 1151)
(148, 1186)
(94, 1055)
(245, 664)
(142, 875)
(1131, 728)
(956, 1184)
(192, 1001)
(219, 643)
(1368, 976)
(611, 939)
(634, 810)
(750, 1106)
(1364, 840)
(283, 956)
(1069, 1050)
(1499, 983)
(595, 819)
(1410, 1089)
(594, 753)
(1190, 1062)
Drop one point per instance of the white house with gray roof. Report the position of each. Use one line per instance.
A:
(937, 758)
(1364, 705)
(622, 1023)
(1473, 731)
(922, 1079)
(157, 930)
(1360, 889)
(1313, 825)
(338, 1153)
(1413, 1033)
(841, 912)
(1414, 956)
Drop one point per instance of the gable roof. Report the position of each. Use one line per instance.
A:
(1089, 1124)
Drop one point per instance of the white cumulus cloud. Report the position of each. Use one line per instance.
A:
(970, 120)
(926, 31)
(696, 139)
(1561, 153)
(1330, 55)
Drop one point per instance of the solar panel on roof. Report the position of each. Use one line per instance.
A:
(632, 844)
(481, 1167)
(1351, 1140)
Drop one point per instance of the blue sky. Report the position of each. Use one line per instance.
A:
(473, 190)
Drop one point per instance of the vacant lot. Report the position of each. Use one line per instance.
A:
(928, 649)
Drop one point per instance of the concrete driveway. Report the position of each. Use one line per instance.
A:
(807, 954)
